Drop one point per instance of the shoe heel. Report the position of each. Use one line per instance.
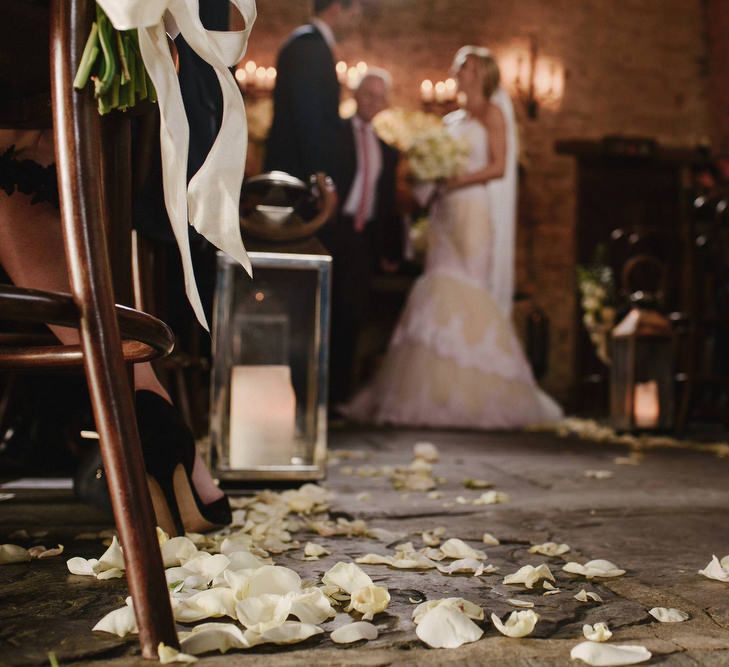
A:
(190, 506)
(166, 510)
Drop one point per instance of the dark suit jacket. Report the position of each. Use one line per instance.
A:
(386, 226)
(306, 120)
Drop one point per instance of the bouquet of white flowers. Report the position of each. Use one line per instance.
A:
(597, 290)
(435, 155)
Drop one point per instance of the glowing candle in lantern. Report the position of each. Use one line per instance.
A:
(262, 416)
(353, 77)
(451, 87)
(271, 78)
(261, 77)
(440, 92)
(342, 71)
(646, 406)
(426, 90)
(362, 67)
(241, 76)
(250, 67)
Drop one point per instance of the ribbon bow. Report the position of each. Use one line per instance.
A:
(211, 199)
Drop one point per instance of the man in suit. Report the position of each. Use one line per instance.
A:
(303, 135)
(367, 235)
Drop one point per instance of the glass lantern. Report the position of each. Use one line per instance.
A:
(270, 365)
(642, 372)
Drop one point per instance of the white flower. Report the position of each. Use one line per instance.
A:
(529, 575)
(519, 623)
(609, 655)
(353, 632)
(668, 615)
(597, 633)
(594, 568)
(445, 626)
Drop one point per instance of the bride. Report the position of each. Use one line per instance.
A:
(454, 359)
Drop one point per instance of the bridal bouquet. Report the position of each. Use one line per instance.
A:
(597, 289)
(436, 155)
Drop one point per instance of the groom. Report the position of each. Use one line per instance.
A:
(304, 131)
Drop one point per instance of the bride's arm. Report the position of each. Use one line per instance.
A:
(496, 126)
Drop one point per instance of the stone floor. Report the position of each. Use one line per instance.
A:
(661, 520)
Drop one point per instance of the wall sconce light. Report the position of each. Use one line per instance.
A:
(535, 80)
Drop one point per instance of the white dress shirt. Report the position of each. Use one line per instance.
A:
(365, 139)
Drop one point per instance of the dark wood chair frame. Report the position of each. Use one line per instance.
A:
(90, 214)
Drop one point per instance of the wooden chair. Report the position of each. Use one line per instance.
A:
(92, 217)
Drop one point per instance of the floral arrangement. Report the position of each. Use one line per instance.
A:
(597, 290)
(259, 113)
(432, 153)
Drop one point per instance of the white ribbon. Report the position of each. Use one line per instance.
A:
(211, 200)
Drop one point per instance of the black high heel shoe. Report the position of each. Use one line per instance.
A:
(168, 447)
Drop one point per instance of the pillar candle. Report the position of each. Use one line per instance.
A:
(262, 416)
(646, 405)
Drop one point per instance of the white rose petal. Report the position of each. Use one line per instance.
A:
(599, 474)
(119, 622)
(213, 637)
(353, 632)
(51, 553)
(369, 600)
(445, 626)
(167, 654)
(311, 606)
(524, 604)
(236, 543)
(112, 558)
(314, 551)
(609, 655)
(586, 596)
(469, 565)
(81, 566)
(519, 623)
(244, 560)
(348, 577)
(455, 548)
(426, 451)
(492, 498)
(12, 553)
(273, 579)
(717, 570)
(594, 568)
(669, 615)
(211, 603)
(549, 549)
(112, 573)
(207, 566)
(459, 604)
(596, 633)
(489, 539)
(177, 551)
(289, 632)
(529, 575)
(263, 612)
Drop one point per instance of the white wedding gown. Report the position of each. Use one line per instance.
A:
(454, 359)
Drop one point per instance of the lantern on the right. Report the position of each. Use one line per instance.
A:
(642, 371)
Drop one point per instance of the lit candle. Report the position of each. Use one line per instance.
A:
(426, 90)
(451, 87)
(342, 71)
(262, 416)
(362, 67)
(646, 406)
(241, 76)
(271, 78)
(440, 92)
(250, 67)
(353, 77)
(260, 77)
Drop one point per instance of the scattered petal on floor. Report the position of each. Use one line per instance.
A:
(467, 566)
(445, 626)
(213, 637)
(314, 551)
(489, 539)
(597, 633)
(426, 451)
(669, 615)
(609, 655)
(528, 575)
(586, 596)
(211, 603)
(524, 604)
(432, 538)
(167, 654)
(470, 609)
(347, 577)
(353, 632)
(289, 632)
(455, 548)
(51, 553)
(594, 568)
(519, 623)
(492, 498)
(369, 600)
(718, 570)
(470, 483)
(12, 553)
(311, 606)
(549, 549)
(599, 474)
(119, 622)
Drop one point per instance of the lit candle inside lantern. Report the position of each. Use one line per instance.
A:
(260, 77)
(646, 406)
(451, 87)
(342, 71)
(241, 76)
(353, 77)
(426, 90)
(440, 92)
(362, 67)
(250, 67)
(262, 416)
(271, 78)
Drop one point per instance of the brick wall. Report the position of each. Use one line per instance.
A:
(634, 67)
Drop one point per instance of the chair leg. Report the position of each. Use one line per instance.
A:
(77, 133)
